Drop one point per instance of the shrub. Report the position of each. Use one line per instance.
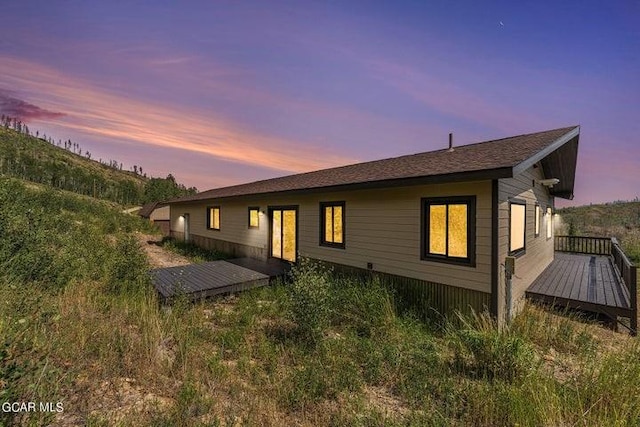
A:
(309, 294)
(127, 268)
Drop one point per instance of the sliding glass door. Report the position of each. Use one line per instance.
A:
(284, 239)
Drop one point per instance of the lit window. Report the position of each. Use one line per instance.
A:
(549, 223)
(517, 227)
(254, 217)
(537, 220)
(283, 232)
(332, 224)
(213, 218)
(449, 229)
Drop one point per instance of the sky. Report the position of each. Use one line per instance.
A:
(225, 92)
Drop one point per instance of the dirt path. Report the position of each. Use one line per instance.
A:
(158, 256)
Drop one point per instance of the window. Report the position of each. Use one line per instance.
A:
(284, 232)
(213, 218)
(549, 223)
(332, 224)
(448, 229)
(517, 226)
(254, 217)
(537, 220)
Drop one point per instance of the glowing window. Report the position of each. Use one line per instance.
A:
(332, 221)
(289, 235)
(449, 229)
(283, 233)
(517, 227)
(276, 232)
(537, 220)
(254, 217)
(549, 223)
(213, 218)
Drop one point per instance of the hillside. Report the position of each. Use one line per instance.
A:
(616, 219)
(34, 159)
(82, 327)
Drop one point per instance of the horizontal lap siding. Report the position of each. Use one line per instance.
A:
(539, 251)
(382, 227)
(234, 223)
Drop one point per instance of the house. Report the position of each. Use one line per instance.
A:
(443, 221)
(158, 213)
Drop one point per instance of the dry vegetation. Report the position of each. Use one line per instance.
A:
(323, 350)
(619, 219)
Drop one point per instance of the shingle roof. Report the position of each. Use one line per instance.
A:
(483, 156)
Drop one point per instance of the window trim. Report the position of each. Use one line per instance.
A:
(209, 210)
(270, 210)
(249, 209)
(537, 216)
(323, 242)
(470, 201)
(520, 251)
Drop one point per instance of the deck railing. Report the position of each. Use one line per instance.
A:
(583, 245)
(611, 247)
(629, 274)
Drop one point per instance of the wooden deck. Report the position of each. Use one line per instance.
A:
(197, 281)
(583, 280)
(273, 267)
(593, 281)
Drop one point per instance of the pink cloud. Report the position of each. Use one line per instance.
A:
(22, 110)
(97, 111)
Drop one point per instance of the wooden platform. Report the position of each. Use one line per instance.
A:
(583, 281)
(197, 281)
(273, 267)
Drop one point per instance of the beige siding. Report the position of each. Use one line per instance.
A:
(538, 250)
(382, 227)
(234, 222)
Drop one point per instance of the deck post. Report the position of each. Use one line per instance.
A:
(509, 297)
(633, 294)
(509, 270)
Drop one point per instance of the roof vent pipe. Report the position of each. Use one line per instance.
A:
(450, 142)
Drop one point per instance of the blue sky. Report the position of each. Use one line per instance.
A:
(219, 93)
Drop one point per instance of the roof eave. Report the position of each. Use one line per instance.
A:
(479, 175)
(527, 163)
(558, 160)
(568, 195)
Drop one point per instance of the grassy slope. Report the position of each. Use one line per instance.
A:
(85, 329)
(47, 157)
(47, 151)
